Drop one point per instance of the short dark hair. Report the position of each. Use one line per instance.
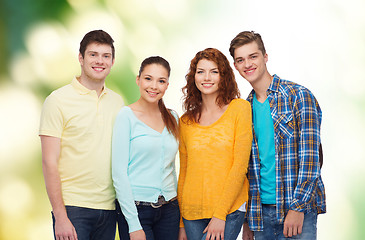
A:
(244, 38)
(96, 36)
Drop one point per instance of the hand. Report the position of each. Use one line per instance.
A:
(247, 234)
(137, 235)
(215, 229)
(64, 229)
(182, 234)
(293, 223)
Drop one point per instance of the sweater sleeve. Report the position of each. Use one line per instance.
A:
(120, 159)
(183, 163)
(241, 154)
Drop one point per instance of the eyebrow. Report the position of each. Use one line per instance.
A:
(208, 69)
(106, 53)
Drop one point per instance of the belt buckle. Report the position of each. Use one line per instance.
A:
(161, 201)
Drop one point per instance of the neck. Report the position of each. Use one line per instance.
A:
(98, 86)
(260, 87)
(209, 103)
(147, 107)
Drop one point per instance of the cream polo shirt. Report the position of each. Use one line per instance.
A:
(84, 122)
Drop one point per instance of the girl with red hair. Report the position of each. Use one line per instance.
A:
(215, 145)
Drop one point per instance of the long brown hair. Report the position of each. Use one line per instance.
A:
(168, 119)
(227, 87)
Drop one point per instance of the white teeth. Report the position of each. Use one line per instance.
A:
(207, 84)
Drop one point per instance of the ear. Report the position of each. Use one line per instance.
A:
(113, 62)
(81, 59)
(137, 80)
(266, 57)
(235, 66)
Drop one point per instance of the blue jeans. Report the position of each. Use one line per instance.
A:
(91, 224)
(274, 230)
(158, 223)
(194, 228)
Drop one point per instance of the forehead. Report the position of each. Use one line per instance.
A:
(99, 47)
(246, 50)
(205, 63)
(155, 70)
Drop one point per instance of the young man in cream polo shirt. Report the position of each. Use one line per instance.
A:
(75, 131)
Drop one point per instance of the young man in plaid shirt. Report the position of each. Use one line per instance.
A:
(286, 189)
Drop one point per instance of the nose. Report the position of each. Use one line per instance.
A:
(248, 63)
(207, 76)
(153, 84)
(99, 59)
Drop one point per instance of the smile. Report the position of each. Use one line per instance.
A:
(98, 69)
(152, 94)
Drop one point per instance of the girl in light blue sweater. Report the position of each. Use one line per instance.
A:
(143, 159)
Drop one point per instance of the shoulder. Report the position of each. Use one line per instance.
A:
(59, 95)
(240, 104)
(290, 88)
(124, 114)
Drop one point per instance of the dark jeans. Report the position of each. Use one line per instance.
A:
(158, 223)
(274, 230)
(194, 228)
(91, 224)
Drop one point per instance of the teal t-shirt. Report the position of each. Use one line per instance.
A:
(264, 131)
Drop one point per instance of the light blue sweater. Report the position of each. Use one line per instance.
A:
(143, 164)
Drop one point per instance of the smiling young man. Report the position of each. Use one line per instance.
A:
(286, 189)
(75, 131)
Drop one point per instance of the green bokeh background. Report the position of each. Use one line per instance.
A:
(319, 44)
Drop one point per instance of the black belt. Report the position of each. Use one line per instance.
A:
(161, 201)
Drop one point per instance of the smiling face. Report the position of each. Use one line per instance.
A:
(97, 62)
(207, 77)
(250, 62)
(153, 82)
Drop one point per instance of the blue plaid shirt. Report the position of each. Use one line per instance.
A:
(297, 120)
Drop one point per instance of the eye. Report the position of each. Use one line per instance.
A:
(253, 57)
(215, 71)
(162, 81)
(107, 56)
(239, 61)
(199, 72)
(147, 78)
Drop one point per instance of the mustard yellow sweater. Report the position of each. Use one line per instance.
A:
(213, 164)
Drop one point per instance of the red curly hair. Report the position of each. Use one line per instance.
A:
(227, 87)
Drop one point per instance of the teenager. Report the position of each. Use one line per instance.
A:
(76, 131)
(145, 143)
(286, 188)
(215, 144)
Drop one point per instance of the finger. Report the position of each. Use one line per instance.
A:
(290, 232)
(208, 236)
(300, 228)
(206, 229)
(222, 236)
(295, 231)
(285, 232)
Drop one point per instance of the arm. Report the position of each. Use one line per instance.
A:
(234, 181)
(308, 115)
(183, 163)
(247, 234)
(120, 159)
(241, 154)
(50, 155)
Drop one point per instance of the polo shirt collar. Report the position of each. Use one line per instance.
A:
(84, 90)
